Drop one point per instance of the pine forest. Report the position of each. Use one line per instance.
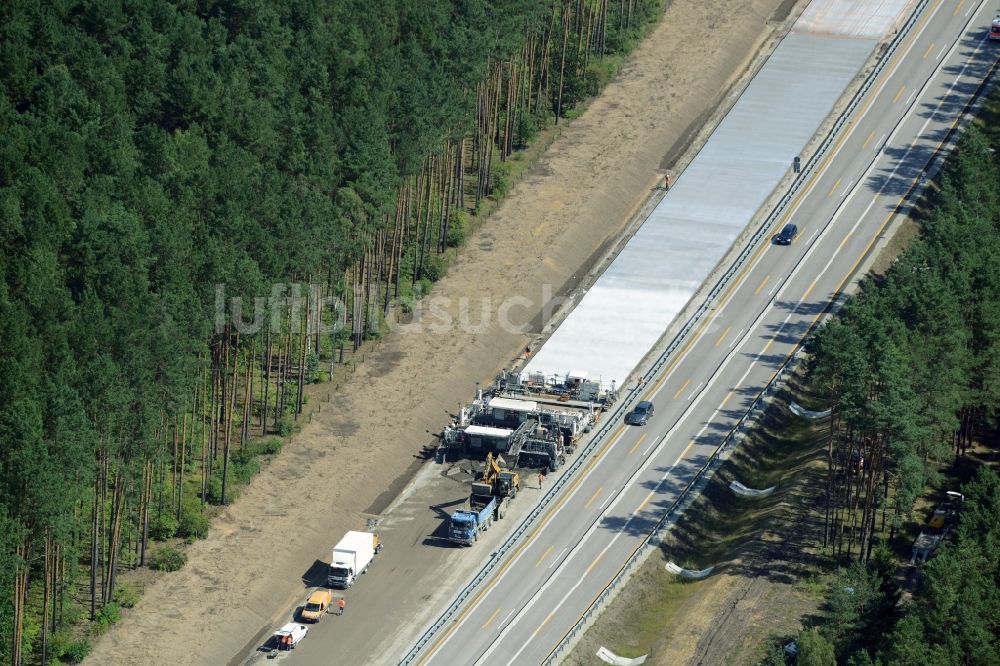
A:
(209, 205)
(162, 161)
(911, 368)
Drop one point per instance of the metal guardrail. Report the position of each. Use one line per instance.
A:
(604, 430)
(687, 495)
(704, 474)
(497, 556)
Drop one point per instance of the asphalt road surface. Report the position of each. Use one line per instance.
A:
(580, 543)
(581, 540)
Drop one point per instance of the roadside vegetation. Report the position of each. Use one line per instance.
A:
(772, 538)
(911, 369)
(161, 160)
(912, 366)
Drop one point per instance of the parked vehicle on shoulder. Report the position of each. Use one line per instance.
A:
(287, 637)
(351, 557)
(466, 525)
(316, 605)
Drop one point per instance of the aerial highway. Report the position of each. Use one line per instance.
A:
(544, 581)
(857, 191)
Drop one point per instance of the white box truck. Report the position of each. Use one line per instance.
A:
(351, 557)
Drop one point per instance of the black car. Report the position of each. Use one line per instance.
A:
(786, 235)
(640, 414)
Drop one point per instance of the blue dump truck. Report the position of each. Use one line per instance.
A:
(466, 525)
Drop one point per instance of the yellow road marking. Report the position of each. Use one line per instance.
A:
(857, 261)
(659, 383)
(764, 281)
(589, 569)
(681, 389)
(726, 399)
(958, 7)
(492, 617)
(868, 140)
(809, 290)
(593, 497)
(546, 621)
(834, 188)
(899, 94)
(650, 495)
(819, 171)
(684, 452)
(527, 541)
(636, 445)
(723, 336)
(731, 288)
(544, 555)
(928, 51)
(844, 242)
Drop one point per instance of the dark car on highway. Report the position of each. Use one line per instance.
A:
(640, 414)
(786, 235)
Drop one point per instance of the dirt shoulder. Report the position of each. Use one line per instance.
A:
(364, 445)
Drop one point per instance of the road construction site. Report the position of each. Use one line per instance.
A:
(533, 425)
(518, 419)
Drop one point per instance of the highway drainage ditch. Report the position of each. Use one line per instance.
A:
(763, 550)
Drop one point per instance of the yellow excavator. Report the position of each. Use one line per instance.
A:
(497, 482)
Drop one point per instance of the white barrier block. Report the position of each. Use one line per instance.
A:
(687, 573)
(794, 406)
(609, 657)
(740, 489)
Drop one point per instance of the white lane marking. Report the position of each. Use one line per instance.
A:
(576, 549)
(597, 559)
(580, 579)
(791, 214)
(711, 322)
(650, 447)
(725, 363)
(621, 494)
(605, 502)
(786, 283)
(504, 621)
(719, 371)
(735, 338)
(705, 329)
(880, 144)
(892, 174)
(510, 567)
(554, 560)
(856, 122)
(909, 100)
(943, 49)
(812, 236)
(700, 384)
(579, 582)
(731, 294)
